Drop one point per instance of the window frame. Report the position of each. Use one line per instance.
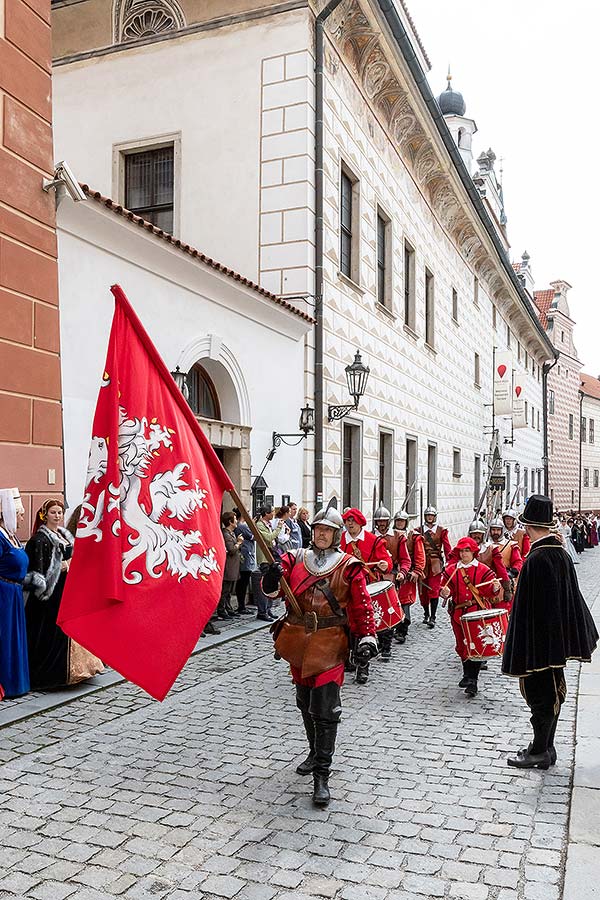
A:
(141, 145)
(551, 402)
(432, 482)
(385, 471)
(429, 309)
(586, 478)
(583, 430)
(384, 270)
(456, 462)
(411, 469)
(591, 430)
(346, 173)
(409, 286)
(477, 370)
(571, 427)
(355, 493)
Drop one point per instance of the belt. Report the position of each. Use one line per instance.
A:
(312, 622)
(9, 580)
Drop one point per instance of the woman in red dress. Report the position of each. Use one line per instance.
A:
(470, 586)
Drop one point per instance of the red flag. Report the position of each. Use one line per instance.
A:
(148, 563)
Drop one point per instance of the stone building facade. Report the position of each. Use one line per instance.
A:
(563, 396)
(414, 265)
(30, 381)
(590, 443)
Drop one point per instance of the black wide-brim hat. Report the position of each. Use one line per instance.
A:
(539, 510)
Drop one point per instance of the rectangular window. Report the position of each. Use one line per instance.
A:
(586, 477)
(411, 474)
(525, 484)
(431, 475)
(519, 351)
(410, 316)
(456, 463)
(551, 446)
(538, 420)
(551, 403)
(429, 309)
(455, 304)
(552, 494)
(526, 360)
(475, 290)
(507, 335)
(583, 430)
(494, 317)
(346, 225)
(539, 481)
(351, 456)
(476, 481)
(476, 370)
(532, 416)
(526, 412)
(572, 498)
(149, 185)
(384, 260)
(571, 426)
(596, 476)
(386, 457)
(591, 431)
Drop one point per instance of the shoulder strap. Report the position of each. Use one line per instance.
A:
(325, 589)
(471, 587)
(356, 551)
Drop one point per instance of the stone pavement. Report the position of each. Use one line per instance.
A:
(196, 798)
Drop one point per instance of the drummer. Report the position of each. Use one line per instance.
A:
(470, 586)
(397, 548)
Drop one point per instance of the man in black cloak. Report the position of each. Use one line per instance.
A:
(549, 624)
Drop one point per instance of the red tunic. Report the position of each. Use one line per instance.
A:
(369, 548)
(416, 551)
(511, 556)
(434, 564)
(358, 607)
(490, 556)
(462, 600)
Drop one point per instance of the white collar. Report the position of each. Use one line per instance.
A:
(462, 565)
(359, 537)
(431, 527)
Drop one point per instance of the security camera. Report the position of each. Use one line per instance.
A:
(63, 176)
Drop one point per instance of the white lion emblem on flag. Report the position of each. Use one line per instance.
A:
(170, 496)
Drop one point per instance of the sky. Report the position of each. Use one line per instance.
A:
(529, 74)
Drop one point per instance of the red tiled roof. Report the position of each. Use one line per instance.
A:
(542, 300)
(590, 385)
(416, 33)
(191, 251)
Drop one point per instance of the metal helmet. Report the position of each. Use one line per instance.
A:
(430, 511)
(509, 512)
(477, 527)
(381, 514)
(403, 514)
(331, 519)
(497, 523)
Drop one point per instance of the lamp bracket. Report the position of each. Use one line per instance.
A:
(279, 439)
(335, 413)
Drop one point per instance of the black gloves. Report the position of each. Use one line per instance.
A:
(367, 648)
(512, 572)
(271, 578)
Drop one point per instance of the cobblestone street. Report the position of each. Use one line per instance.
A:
(116, 795)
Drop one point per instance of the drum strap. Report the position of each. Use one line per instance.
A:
(474, 592)
(356, 551)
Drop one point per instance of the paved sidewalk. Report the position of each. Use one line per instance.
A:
(115, 795)
(582, 878)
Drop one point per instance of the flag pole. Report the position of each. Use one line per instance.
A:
(264, 548)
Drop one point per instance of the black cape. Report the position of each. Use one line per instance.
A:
(550, 621)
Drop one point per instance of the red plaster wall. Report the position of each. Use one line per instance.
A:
(30, 387)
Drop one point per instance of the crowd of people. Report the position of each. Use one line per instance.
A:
(35, 654)
(580, 532)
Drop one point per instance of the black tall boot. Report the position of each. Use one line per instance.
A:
(385, 644)
(425, 613)
(471, 670)
(551, 747)
(433, 605)
(303, 695)
(325, 735)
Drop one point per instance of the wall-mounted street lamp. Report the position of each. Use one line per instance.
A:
(356, 377)
(180, 379)
(305, 425)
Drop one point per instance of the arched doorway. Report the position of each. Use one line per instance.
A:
(219, 399)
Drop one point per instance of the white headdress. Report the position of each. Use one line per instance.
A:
(8, 507)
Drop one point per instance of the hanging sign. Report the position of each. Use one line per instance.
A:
(518, 414)
(503, 376)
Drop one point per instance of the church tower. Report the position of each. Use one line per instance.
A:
(462, 129)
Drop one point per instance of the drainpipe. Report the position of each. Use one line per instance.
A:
(580, 444)
(319, 202)
(545, 369)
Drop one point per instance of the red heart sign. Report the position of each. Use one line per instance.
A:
(518, 390)
(501, 371)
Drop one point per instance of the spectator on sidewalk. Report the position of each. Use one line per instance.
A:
(14, 667)
(294, 526)
(231, 571)
(247, 562)
(281, 520)
(263, 525)
(304, 526)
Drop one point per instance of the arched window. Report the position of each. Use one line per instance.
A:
(137, 19)
(202, 397)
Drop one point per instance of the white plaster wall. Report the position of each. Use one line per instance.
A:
(207, 86)
(179, 301)
(590, 454)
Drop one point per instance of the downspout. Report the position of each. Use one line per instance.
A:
(545, 369)
(580, 446)
(319, 228)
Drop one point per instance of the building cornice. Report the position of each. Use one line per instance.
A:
(379, 67)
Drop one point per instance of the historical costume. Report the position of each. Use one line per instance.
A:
(55, 660)
(396, 545)
(407, 588)
(437, 550)
(471, 586)
(330, 589)
(578, 535)
(515, 532)
(14, 669)
(550, 624)
(371, 550)
(564, 529)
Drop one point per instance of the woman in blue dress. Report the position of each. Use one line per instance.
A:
(14, 666)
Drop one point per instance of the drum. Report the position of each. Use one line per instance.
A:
(484, 632)
(386, 605)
